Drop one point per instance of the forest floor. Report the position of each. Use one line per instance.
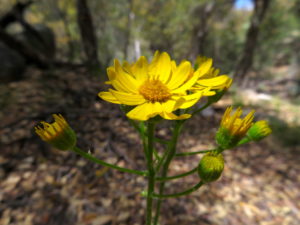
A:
(42, 186)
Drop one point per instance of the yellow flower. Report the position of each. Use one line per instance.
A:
(233, 128)
(156, 88)
(59, 133)
(211, 79)
(259, 130)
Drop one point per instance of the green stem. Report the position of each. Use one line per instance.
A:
(157, 156)
(103, 163)
(244, 141)
(135, 126)
(202, 108)
(151, 172)
(159, 140)
(144, 138)
(166, 160)
(186, 192)
(177, 176)
(195, 153)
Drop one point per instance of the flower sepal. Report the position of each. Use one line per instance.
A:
(225, 139)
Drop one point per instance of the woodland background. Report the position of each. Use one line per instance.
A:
(53, 59)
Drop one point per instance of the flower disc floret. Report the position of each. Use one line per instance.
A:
(155, 91)
(156, 88)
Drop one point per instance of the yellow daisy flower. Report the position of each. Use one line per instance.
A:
(156, 88)
(233, 128)
(211, 79)
(59, 133)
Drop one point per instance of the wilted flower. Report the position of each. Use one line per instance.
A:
(59, 134)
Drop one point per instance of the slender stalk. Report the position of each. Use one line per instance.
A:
(168, 157)
(195, 153)
(186, 192)
(244, 141)
(151, 172)
(144, 138)
(103, 163)
(156, 154)
(202, 108)
(177, 176)
(159, 140)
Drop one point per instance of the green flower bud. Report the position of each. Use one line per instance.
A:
(211, 167)
(59, 134)
(259, 130)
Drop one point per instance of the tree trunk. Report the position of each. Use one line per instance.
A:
(200, 31)
(30, 55)
(14, 14)
(88, 36)
(246, 59)
(130, 18)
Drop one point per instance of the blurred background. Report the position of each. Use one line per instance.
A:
(53, 59)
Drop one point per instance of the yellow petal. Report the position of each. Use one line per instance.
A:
(161, 68)
(206, 91)
(127, 67)
(179, 75)
(173, 66)
(169, 106)
(172, 116)
(127, 98)
(187, 85)
(115, 82)
(216, 82)
(140, 69)
(204, 67)
(107, 96)
(125, 79)
(154, 60)
(190, 100)
(111, 73)
(145, 111)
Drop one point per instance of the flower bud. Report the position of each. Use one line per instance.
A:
(259, 130)
(233, 128)
(211, 167)
(59, 134)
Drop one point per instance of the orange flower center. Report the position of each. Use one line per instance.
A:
(155, 91)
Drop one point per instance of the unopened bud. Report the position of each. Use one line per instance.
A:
(259, 130)
(211, 167)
